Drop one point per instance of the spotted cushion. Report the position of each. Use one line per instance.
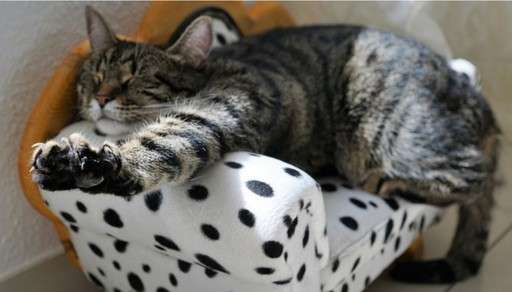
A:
(248, 223)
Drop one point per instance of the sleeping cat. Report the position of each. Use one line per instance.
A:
(387, 112)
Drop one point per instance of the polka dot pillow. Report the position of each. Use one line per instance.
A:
(248, 223)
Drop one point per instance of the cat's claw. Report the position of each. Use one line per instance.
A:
(72, 163)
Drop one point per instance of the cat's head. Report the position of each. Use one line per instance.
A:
(127, 82)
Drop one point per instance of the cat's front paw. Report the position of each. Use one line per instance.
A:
(73, 163)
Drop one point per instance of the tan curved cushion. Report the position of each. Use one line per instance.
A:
(53, 109)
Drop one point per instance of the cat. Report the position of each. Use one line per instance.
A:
(387, 112)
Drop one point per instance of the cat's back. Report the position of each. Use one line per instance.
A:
(330, 54)
(294, 46)
(336, 43)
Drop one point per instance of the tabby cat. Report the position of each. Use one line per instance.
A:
(385, 111)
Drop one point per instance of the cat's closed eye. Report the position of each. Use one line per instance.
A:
(172, 85)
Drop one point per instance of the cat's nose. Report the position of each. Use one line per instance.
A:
(103, 100)
(104, 94)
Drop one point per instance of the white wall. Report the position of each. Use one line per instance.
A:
(33, 38)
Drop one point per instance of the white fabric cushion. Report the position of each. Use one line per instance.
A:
(248, 223)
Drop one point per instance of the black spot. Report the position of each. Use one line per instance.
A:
(120, 245)
(373, 236)
(173, 280)
(210, 273)
(95, 280)
(135, 282)
(210, 231)
(404, 219)
(46, 203)
(210, 263)
(305, 238)
(95, 249)
(292, 226)
(272, 249)
(373, 204)
(422, 222)
(301, 204)
(184, 266)
(161, 289)
(198, 193)
(246, 217)
(146, 268)
(392, 203)
(412, 226)
(328, 187)
(302, 271)
(68, 217)
(349, 222)
(367, 282)
(117, 290)
(116, 265)
(389, 228)
(335, 265)
(159, 247)
(358, 203)
(344, 288)
(265, 271)
(221, 39)
(260, 188)
(153, 200)
(101, 272)
(287, 220)
(292, 172)
(317, 253)
(356, 263)
(233, 164)
(166, 242)
(74, 228)
(283, 282)
(81, 207)
(112, 218)
(397, 244)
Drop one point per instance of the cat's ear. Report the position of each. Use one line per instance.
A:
(100, 35)
(195, 42)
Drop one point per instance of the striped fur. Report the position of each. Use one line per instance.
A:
(386, 112)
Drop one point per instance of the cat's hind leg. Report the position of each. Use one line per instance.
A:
(467, 183)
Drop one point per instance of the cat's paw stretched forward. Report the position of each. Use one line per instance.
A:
(73, 163)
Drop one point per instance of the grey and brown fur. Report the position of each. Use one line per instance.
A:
(387, 112)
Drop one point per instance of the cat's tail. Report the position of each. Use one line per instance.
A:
(469, 244)
(465, 256)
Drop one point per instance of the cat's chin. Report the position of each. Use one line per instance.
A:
(113, 128)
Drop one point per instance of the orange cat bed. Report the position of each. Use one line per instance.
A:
(58, 96)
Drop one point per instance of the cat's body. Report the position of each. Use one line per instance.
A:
(387, 112)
